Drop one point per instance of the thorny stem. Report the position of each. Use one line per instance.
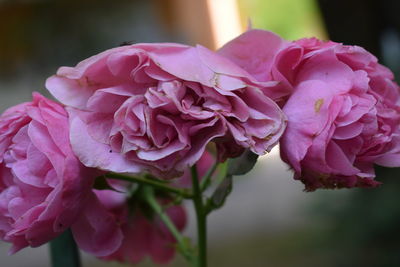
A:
(154, 183)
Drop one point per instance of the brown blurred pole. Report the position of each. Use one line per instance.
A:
(189, 18)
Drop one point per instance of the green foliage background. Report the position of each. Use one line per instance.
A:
(292, 19)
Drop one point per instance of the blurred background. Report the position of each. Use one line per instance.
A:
(268, 220)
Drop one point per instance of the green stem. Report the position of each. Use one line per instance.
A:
(154, 183)
(182, 244)
(201, 217)
(63, 251)
(206, 180)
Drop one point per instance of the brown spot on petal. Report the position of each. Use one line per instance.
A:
(318, 105)
(79, 83)
(214, 79)
(85, 81)
(269, 137)
(90, 82)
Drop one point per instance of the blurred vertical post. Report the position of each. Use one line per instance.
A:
(210, 23)
(225, 20)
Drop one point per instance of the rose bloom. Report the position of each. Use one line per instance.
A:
(43, 186)
(144, 233)
(343, 107)
(154, 107)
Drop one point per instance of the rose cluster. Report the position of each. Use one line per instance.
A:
(342, 106)
(154, 109)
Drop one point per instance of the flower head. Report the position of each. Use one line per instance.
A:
(43, 186)
(155, 107)
(343, 107)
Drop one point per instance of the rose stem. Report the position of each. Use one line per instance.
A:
(183, 246)
(201, 217)
(144, 181)
(206, 180)
(64, 252)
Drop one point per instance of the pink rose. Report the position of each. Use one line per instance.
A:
(43, 186)
(343, 107)
(143, 235)
(154, 107)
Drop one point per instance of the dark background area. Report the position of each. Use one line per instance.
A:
(268, 220)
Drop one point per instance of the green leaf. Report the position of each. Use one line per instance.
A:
(219, 196)
(221, 172)
(242, 164)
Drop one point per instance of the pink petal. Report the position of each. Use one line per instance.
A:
(95, 154)
(254, 51)
(97, 231)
